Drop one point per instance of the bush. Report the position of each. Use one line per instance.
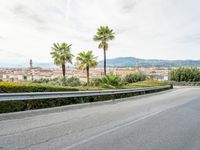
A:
(72, 81)
(13, 87)
(134, 77)
(185, 74)
(108, 81)
(95, 82)
(41, 81)
(111, 81)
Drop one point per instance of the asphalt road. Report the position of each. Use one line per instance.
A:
(166, 121)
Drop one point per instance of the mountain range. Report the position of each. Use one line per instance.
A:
(132, 61)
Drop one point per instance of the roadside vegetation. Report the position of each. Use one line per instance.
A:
(147, 83)
(71, 82)
(111, 81)
(185, 74)
(18, 87)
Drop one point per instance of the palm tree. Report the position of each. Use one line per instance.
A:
(104, 34)
(86, 60)
(61, 54)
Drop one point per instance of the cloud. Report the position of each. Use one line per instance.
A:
(21, 11)
(144, 28)
(127, 6)
(194, 38)
(11, 57)
(2, 38)
(12, 53)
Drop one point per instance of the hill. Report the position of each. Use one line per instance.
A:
(132, 61)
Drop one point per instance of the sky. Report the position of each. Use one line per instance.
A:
(153, 29)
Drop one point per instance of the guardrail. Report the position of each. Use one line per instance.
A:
(55, 95)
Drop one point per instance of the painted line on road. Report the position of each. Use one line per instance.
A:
(114, 129)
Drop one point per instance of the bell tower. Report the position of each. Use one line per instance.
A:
(31, 64)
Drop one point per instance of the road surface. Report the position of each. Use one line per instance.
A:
(169, 120)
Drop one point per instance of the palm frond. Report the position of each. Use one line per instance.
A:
(61, 53)
(85, 59)
(104, 34)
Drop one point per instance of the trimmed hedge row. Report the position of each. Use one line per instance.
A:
(13, 87)
(13, 106)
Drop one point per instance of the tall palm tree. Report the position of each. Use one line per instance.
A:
(61, 54)
(86, 60)
(104, 34)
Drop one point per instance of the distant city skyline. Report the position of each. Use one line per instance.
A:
(149, 29)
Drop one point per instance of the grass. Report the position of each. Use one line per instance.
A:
(141, 84)
(146, 83)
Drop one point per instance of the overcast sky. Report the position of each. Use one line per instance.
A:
(160, 29)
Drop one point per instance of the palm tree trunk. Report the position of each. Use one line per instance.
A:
(63, 70)
(104, 50)
(88, 76)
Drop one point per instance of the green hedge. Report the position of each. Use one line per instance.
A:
(13, 106)
(12, 87)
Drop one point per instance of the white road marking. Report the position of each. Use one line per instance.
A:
(114, 129)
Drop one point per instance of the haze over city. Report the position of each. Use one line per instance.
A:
(143, 28)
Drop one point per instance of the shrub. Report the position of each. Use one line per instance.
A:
(134, 77)
(41, 81)
(95, 82)
(13, 87)
(108, 81)
(57, 82)
(72, 81)
(113, 80)
(187, 74)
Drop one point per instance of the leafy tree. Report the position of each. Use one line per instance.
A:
(61, 54)
(86, 60)
(104, 34)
